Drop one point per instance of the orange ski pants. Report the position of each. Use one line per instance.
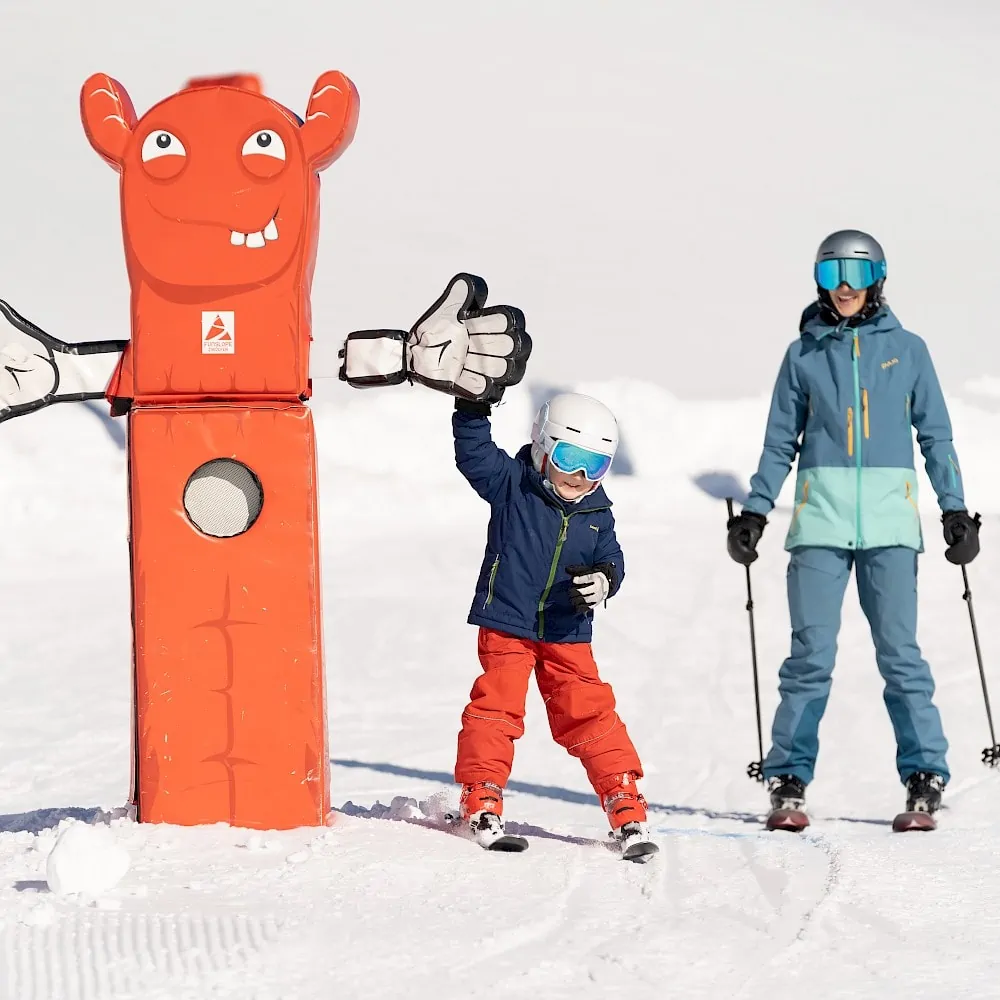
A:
(580, 707)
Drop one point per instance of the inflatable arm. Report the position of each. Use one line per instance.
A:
(458, 346)
(36, 369)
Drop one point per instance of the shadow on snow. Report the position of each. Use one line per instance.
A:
(43, 819)
(546, 791)
(586, 798)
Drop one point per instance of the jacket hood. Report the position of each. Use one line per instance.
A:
(814, 324)
(592, 501)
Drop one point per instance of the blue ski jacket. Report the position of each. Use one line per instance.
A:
(533, 535)
(846, 400)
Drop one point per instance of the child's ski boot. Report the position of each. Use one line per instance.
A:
(626, 812)
(481, 807)
(923, 799)
(788, 803)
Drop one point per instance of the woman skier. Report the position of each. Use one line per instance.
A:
(848, 391)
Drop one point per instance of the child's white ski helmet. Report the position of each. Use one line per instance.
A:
(573, 432)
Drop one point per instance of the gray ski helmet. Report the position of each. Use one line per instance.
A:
(852, 244)
(849, 243)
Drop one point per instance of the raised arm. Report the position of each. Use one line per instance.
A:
(36, 369)
(489, 469)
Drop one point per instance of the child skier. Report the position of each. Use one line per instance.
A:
(551, 558)
(849, 391)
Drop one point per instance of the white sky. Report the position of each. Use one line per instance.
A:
(647, 181)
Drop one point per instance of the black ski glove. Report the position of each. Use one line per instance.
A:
(961, 534)
(590, 586)
(745, 530)
(476, 409)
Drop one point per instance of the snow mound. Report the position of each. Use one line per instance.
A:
(86, 860)
(437, 807)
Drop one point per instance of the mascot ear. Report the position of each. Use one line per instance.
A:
(331, 119)
(108, 117)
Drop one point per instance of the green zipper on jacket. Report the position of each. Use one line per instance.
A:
(493, 576)
(855, 351)
(560, 541)
(552, 574)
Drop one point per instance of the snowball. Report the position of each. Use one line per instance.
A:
(86, 859)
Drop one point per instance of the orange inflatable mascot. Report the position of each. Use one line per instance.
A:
(220, 213)
(220, 196)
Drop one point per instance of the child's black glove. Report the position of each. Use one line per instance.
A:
(473, 407)
(961, 533)
(590, 586)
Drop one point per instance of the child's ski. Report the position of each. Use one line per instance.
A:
(488, 832)
(640, 852)
(634, 843)
(507, 843)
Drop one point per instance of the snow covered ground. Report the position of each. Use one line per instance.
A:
(384, 903)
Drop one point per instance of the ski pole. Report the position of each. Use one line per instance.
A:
(991, 755)
(755, 769)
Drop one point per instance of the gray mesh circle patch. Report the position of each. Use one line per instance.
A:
(223, 498)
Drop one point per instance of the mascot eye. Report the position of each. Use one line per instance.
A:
(266, 142)
(161, 144)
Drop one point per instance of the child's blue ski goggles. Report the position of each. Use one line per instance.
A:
(569, 458)
(853, 271)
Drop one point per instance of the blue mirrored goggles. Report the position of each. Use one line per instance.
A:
(857, 273)
(569, 458)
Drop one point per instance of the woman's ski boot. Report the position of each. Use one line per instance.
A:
(923, 799)
(788, 803)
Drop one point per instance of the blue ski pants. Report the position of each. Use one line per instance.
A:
(887, 588)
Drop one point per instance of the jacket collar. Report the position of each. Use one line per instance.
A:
(813, 324)
(592, 501)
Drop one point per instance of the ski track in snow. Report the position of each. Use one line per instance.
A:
(86, 957)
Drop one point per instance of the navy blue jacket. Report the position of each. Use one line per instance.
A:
(523, 586)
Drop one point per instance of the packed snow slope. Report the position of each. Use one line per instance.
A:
(384, 903)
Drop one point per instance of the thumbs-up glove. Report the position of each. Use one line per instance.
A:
(458, 346)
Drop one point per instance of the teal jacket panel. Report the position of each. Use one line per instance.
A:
(846, 402)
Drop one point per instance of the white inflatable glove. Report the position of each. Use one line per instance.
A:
(36, 369)
(458, 346)
(589, 588)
